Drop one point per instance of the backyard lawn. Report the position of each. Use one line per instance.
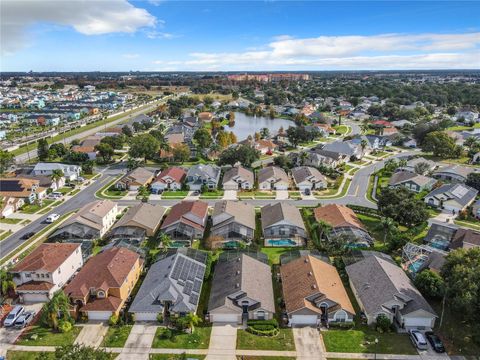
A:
(274, 253)
(46, 337)
(200, 339)
(116, 336)
(28, 355)
(283, 341)
(363, 341)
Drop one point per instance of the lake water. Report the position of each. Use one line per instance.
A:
(248, 125)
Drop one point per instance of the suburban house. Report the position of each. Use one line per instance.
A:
(172, 286)
(203, 175)
(476, 209)
(45, 270)
(139, 222)
(349, 150)
(28, 190)
(170, 179)
(466, 239)
(70, 172)
(453, 173)
(383, 288)
(10, 205)
(282, 225)
(238, 178)
(343, 221)
(452, 197)
(102, 286)
(241, 289)
(205, 116)
(440, 235)
(314, 293)
(234, 221)
(134, 179)
(273, 178)
(186, 220)
(411, 181)
(306, 177)
(45, 181)
(412, 165)
(91, 222)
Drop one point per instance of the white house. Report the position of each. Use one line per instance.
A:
(70, 172)
(452, 197)
(273, 178)
(46, 270)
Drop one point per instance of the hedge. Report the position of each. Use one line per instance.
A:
(272, 322)
(270, 333)
(342, 325)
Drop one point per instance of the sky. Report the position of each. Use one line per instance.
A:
(162, 35)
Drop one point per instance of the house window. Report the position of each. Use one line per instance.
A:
(261, 315)
(341, 316)
(47, 275)
(101, 294)
(59, 270)
(28, 275)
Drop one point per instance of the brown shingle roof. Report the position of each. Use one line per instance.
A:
(91, 214)
(337, 216)
(308, 276)
(176, 173)
(47, 257)
(465, 236)
(191, 212)
(103, 271)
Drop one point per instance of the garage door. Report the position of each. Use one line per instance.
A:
(228, 318)
(145, 316)
(417, 322)
(34, 298)
(303, 320)
(99, 315)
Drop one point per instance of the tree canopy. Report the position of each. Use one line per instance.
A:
(401, 205)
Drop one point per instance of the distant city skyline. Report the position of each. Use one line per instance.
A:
(159, 35)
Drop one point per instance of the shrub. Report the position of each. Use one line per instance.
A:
(383, 324)
(342, 325)
(166, 334)
(272, 322)
(160, 317)
(65, 326)
(113, 320)
(271, 333)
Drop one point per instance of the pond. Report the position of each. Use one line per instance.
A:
(248, 125)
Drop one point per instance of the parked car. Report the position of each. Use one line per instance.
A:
(72, 185)
(55, 195)
(196, 193)
(24, 319)
(435, 341)
(307, 192)
(13, 315)
(52, 218)
(27, 236)
(418, 340)
(80, 179)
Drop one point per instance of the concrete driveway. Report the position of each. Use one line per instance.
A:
(92, 334)
(223, 342)
(281, 195)
(230, 195)
(308, 343)
(139, 342)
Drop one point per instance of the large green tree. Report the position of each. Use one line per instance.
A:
(243, 154)
(6, 160)
(430, 284)
(401, 205)
(42, 149)
(202, 138)
(442, 145)
(105, 151)
(81, 352)
(473, 180)
(55, 310)
(144, 146)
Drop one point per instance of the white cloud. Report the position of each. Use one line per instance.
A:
(384, 51)
(160, 35)
(89, 17)
(131, 56)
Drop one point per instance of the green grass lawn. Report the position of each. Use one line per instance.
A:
(212, 194)
(470, 224)
(176, 194)
(116, 336)
(10, 221)
(363, 341)
(29, 355)
(200, 339)
(373, 225)
(342, 129)
(175, 356)
(112, 191)
(33, 208)
(5, 234)
(274, 253)
(283, 341)
(65, 190)
(48, 338)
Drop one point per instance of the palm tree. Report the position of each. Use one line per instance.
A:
(192, 320)
(265, 133)
(363, 145)
(58, 304)
(303, 157)
(6, 282)
(165, 241)
(56, 176)
(388, 227)
(321, 228)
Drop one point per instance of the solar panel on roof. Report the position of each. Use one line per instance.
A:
(193, 299)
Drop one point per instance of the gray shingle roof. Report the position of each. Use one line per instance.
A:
(242, 213)
(302, 173)
(275, 213)
(240, 171)
(272, 171)
(378, 281)
(461, 193)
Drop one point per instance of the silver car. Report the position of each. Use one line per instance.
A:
(24, 319)
(13, 316)
(418, 340)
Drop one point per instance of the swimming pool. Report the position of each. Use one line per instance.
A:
(179, 244)
(282, 242)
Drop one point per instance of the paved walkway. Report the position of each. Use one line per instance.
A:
(230, 195)
(139, 342)
(92, 334)
(308, 343)
(223, 341)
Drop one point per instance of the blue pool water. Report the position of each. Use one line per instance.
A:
(439, 244)
(282, 242)
(415, 266)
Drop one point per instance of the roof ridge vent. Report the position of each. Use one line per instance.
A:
(314, 286)
(310, 273)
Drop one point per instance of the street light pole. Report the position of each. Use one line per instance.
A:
(376, 344)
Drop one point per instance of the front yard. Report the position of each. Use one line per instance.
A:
(180, 194)
(212, 194)
(200, 339)
(282, 342)
(33, 208)
(363, 341)
(41, 336)
(10, 221)
(29, 355)
(116, 336)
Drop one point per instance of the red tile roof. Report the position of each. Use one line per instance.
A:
(46, 257)
(337, 216)
(181, 211)
(35, 285)
(176, 173)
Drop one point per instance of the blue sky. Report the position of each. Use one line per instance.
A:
(121, 35)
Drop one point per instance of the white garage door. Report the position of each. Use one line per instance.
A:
(34, 298)
(417, 322)
(303, 320)
(99, 315)
(145, 316)
(281, 187)
(228, 318)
